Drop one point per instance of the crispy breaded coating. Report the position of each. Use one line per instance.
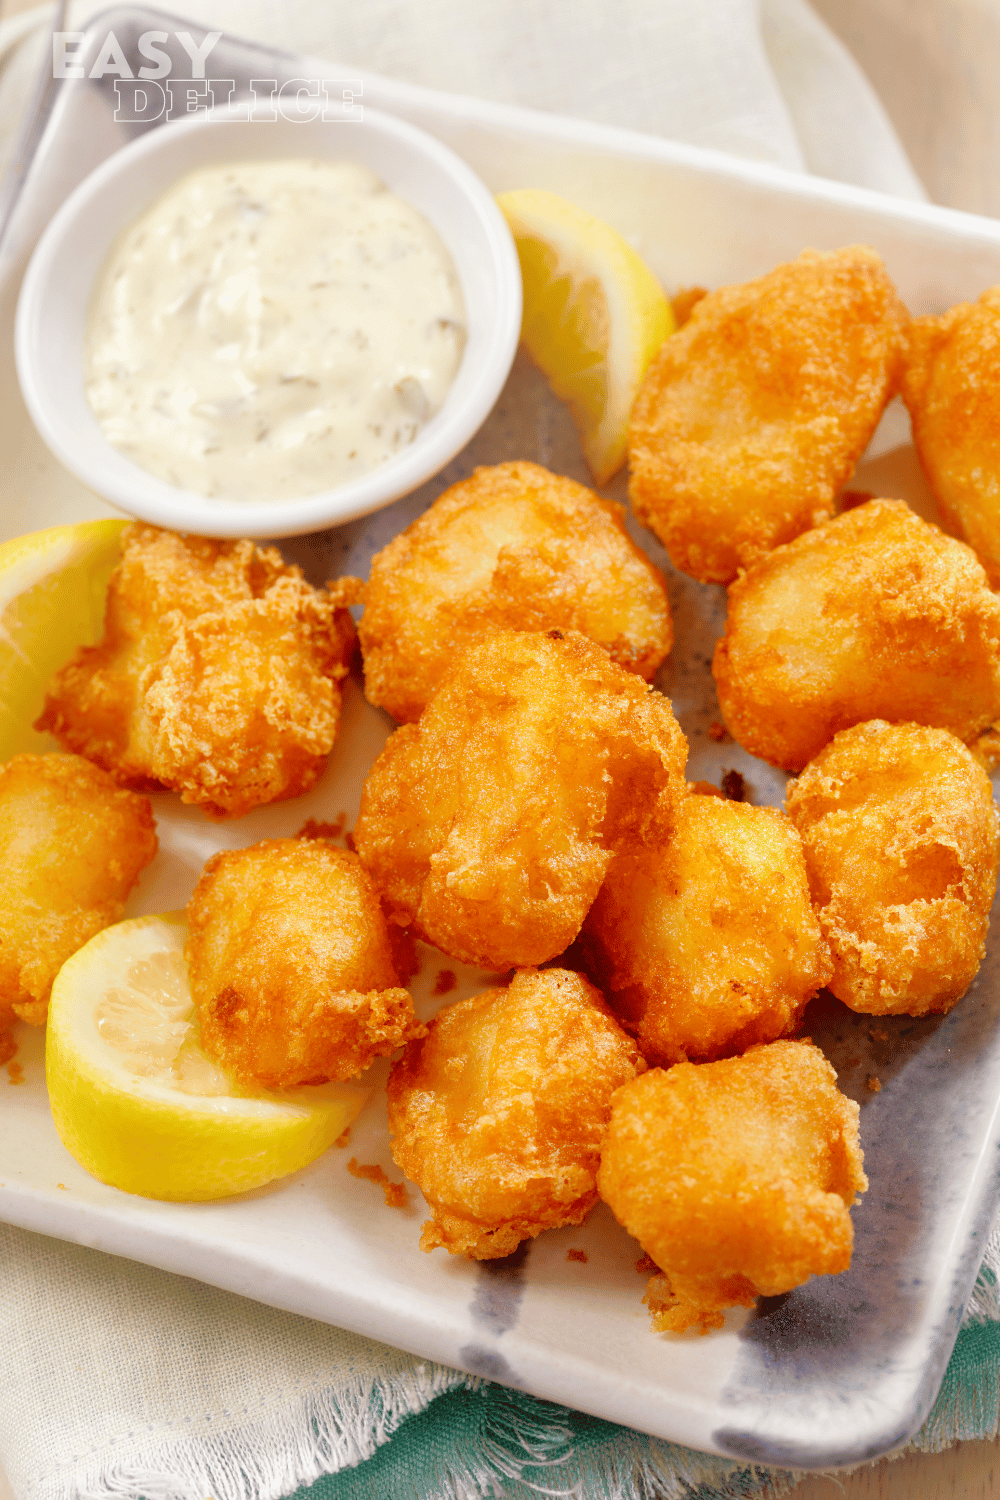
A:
(735, 1177)
(513, 547)
(705, 942)
(951, 384)
(901, 844)
(72, 846)
(292, 966)
(498, 1114)
(489, 825)
(217, 675)
(684, 301)
(754, 414)
(875, 614)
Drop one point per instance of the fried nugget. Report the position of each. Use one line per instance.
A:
(735, 1177)
(951, 384)
(498, 1114)
(217, 675)
(705, 942)
(901, 844)
(515, 548)
(874, 615)
(292, 966)
(72, 846)
(489, 825)
(753, 415)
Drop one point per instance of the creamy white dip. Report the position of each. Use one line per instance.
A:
(272, 329)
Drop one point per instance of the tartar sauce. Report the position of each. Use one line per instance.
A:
(272, 329)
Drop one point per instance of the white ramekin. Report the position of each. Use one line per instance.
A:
(55, 298)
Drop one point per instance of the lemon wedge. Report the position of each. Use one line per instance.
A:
(137, 1102)
(52, 590)
(594, 316)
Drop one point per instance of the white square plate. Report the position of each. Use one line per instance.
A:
(843, 1369)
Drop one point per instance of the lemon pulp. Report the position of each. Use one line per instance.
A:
(52, 590)
(594, 316)
(136, 1101)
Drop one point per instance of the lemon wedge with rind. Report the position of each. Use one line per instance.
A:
(53, 585)
(136, 1101)
(594, 316)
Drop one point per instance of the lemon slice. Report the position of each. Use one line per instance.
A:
(138, 1103)
(594, 316)
(52, 590)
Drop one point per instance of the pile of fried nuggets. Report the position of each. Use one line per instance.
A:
(655, 943)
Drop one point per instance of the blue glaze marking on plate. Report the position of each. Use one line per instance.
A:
(495, 1308)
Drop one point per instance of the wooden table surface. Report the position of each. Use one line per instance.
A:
(968, 1471)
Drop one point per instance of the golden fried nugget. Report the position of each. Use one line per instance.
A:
(489, 826)
(753, 415)
(706, 941)
(875, 614)
(901, 844)
(72, 846)
(217, 675)
(292, 966)
(498, 1114)
(735, 1177)
(514, 548)
(951, 384)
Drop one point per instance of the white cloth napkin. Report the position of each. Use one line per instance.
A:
(764, 80)
(936, 66)
(123, 1380)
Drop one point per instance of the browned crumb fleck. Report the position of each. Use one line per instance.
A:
(704, 789)
(645, 1266)
(878, 1033)
(851, 499)
(580, 1255)
(873, 1085)
(15, 1072)
(343, 1137)
(445, 982)
(684, 300)
(371, 1173)
(312, 828)
(394, 1193)
(733, 786)
(718, 732)
(61, 1185)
